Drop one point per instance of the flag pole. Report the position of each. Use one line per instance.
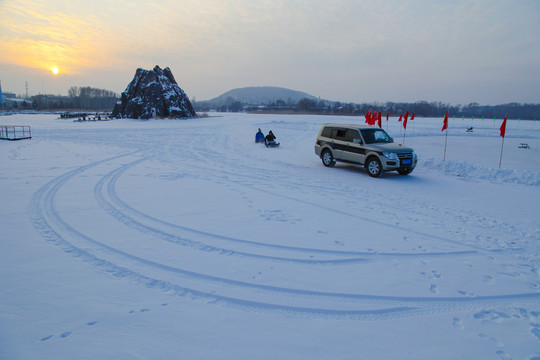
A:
(445, 127)
(445, 142)
(503, 134)
(502, 145)
(405, 125)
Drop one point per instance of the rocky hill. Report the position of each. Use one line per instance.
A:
(154, 93)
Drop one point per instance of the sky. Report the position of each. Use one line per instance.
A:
(456, 52)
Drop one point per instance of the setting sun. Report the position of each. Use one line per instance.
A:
(55, 70)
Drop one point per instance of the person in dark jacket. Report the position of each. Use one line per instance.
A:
(270, 139)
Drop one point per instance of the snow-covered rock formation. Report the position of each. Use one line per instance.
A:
(154, 93)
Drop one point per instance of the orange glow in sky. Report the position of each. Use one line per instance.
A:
(55, 70)
(484, 51)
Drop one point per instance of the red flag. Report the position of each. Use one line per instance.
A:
(373, 119)
(387, 115)
(380, 120)
(400, 117)
(412, 117)
(445, 122)
(406, 115)
(503, 127)
(405, 121)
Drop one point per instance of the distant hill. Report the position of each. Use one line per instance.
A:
(260, 95)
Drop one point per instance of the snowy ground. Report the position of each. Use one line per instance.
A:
(163, 239)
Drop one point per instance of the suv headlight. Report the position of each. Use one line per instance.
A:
(390, 156)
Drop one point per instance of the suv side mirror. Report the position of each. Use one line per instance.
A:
(357, 141)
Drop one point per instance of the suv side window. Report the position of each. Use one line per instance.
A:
(351, 135)
(339, 134)
(327, 132)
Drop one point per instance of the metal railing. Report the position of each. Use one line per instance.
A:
(15, 132)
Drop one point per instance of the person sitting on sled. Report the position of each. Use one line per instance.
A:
(259, 136)
(270, 139)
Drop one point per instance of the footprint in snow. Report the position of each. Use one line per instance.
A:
(434, 289)
(458, 323)
(536, 330)
(67, 333)
(503, 355)
(491, 315)
(141, 310)
(499, 343)
(466, 293)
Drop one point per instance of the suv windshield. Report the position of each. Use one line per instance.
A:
(372, 136)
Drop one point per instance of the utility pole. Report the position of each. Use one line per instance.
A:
(26, 83)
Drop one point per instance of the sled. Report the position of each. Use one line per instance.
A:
(272, 144)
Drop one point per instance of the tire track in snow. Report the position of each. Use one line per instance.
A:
(128, 216)
(207, 154)
(53, 228)
(49, 224)
(364, 218)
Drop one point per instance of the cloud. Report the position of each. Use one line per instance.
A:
(41, 37)
(344, 49)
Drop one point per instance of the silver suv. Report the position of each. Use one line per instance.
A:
(364, 145)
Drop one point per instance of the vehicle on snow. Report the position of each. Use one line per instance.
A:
(364, 145)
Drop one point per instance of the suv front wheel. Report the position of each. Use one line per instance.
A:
(373, 166)
(327, 158)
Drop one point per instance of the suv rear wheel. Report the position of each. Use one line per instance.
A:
(327, 158)
(373, 166)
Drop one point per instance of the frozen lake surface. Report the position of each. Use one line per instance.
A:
(164, 239)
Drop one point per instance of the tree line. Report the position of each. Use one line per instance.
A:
(89, 98)
(419, 108)
(83, 98)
